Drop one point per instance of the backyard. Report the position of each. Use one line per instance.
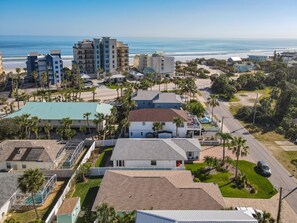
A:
(43, 211)
(87, 192)
(103, 158)
(264, 188)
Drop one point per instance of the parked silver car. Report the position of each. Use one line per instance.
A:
(264, 168)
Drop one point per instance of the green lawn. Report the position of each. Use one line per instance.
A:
(112, 86)
(264, 92)
(264, 187)
(101, 161)
(87, 192)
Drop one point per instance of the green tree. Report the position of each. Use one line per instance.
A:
(31, 182)
(43, 80)
(35, 76)
(99, 118)
(106, 214)
(125, 217)
(239, 148)
(225, 137)
(83, 170)
(35, 126)
(157, 126)
(47, 129)
(212, 101)
(195, 107)
(178, 123)
(87, 116)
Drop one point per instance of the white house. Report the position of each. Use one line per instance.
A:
(154, 153)
(233, 60)
(142, 120)
(25, 154)
(193, 216)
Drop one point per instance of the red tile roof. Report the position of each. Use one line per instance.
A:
(156, 115)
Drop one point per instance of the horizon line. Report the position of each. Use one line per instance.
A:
(146, 37)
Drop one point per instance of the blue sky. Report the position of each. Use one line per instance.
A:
(151, 18)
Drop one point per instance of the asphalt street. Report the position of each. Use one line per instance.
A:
(280, 176)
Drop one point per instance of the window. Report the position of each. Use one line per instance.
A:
(56, 67)
(131, 134)
(143, 123)
(8, 165)
(141, 133)
(24, 166)
(153, 163)
(112, 46)
(163, 123)
(120, 163)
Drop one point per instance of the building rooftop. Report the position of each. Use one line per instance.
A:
(128, 190)
(8, 186)
(154, 149)
(29, 150)
(235, 59)
(156, 97)
(157, 115)
(68, 206)
(194, 216)
(60, 110)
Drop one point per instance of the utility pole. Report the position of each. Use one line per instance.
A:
(222, 123)
(255, 110)
(279, 205)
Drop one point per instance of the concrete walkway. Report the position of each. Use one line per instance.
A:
(288, 215)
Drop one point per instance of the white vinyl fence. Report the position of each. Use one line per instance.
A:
(54, 211)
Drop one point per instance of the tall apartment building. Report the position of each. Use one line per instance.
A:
(105, 53)
(158, 62)
(1, 65)
(123, 56)
(51, 64)
(83, 55)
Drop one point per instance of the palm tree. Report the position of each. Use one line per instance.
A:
(157, 126)
(34, 125)
(43, 80)
(35, 76)
(239, 148)
(47, 129)
(264, 217)
(106, 214)
(178, 123)
(83, 170)
(86, 116)
(127, 217)
(99, 117)
(225, 137)
(212, 101)
(31, 182)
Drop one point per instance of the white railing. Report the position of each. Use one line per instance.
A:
(55, 209)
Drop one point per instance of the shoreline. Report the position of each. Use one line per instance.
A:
(10, 66)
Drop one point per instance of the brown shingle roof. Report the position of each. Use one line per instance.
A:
(68, 206)
(29, 150)
(128, 190)
(156, 115)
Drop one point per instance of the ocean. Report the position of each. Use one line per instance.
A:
(15, 48)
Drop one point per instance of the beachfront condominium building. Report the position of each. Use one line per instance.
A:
(123, 56)
(50, 64)
(156, 62)
(105, 53)
(1, 65)
(83, 56)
